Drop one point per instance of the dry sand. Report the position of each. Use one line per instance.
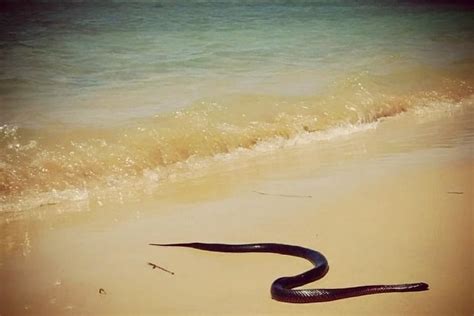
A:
(381, 212)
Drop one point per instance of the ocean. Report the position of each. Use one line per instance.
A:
(117, 96)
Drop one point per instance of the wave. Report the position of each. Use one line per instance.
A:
(47, 165)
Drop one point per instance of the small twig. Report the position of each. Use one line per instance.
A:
(284, 195)
(455, 192)
(48, 204)
(161, 268)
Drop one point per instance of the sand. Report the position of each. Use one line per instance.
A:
(382, 209)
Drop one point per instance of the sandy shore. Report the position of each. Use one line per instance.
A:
(388, 214)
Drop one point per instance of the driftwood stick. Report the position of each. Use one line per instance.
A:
(284, 195)
(161, 268)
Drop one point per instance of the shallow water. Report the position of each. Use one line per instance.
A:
(106, 96)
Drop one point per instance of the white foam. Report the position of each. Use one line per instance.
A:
(277, 143)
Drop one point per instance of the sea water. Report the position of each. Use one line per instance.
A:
(95, 95)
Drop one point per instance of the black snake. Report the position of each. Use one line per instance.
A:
(282, 288)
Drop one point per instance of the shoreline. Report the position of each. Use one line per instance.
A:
(383, 216)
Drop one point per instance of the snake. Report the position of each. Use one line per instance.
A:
(282, 289)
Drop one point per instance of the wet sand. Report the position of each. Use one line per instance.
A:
(382, 210)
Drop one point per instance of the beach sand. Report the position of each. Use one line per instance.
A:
(388, 205)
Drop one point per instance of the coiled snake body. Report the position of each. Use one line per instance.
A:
(282, 288)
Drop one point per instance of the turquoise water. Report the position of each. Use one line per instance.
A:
(91, 63)
(107, 95)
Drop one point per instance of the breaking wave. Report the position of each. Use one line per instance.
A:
(41, 166)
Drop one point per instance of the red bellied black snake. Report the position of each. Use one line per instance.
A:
(282, 288)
